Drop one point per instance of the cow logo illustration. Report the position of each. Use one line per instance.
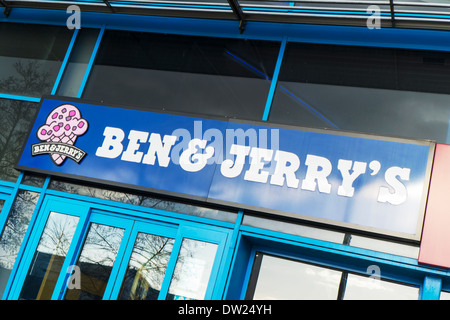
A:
(63, 126)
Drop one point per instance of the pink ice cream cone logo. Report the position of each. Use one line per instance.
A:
(62, 127)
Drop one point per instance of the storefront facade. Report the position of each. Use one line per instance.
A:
(344, 133)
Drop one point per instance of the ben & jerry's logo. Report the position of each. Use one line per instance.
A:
(63, 126)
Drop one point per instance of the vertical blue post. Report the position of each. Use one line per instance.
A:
(274, 82)
(230, 255)
(447, 139)
(431, 288)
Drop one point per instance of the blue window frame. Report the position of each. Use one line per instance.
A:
(329, 255)
(44, 274)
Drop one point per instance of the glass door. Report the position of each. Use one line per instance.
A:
(51, 245)
(193, 270)
(169, 263)
(89, 277)
(145, 262)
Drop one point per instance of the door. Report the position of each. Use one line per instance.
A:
(49, 250)
(77, 252)
(91, 275)
(171, 263)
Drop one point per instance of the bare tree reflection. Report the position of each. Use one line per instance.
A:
(147, 267)
(16, 116)
(48, 259)
(29, 78)
(16, 226)
(14, 231)
(15, 120)
(96, 261)
(58, 234)
(192, 271)
(143, 200)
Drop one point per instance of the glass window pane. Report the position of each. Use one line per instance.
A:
(14, 231)
(143, 200)
(293, 228)
(224, 77)
(49, 257)
(283, 279)
(384, 91)
(366, 288)
(78, 62)
(191, 275)
(146, 268)
(32, 179)
(15, 119)
(401, 249)
(30, 57)
(96, 261)
(445, 295)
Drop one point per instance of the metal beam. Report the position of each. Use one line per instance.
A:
(108, 5)
(391, 6)
(237, 10)
(7, 9)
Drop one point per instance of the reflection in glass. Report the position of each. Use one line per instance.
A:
(30, 57)
(191, 275)
(32, 179)
(383, 91)
(143, 200)
(224, 77)
(283, 279)
(49, 257)
(397, 248)
(147, 267)
(445, 295)
(293, 228)
(78, 62)
(96, 261)
(15, 119)
(367, 288)
(14, 231)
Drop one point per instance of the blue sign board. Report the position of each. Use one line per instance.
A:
(367, 182)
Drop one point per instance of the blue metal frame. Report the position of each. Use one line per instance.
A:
(64, 63)
(18, 97)
(431, 289)
(359, 36)
(273, 84)
(238, 243)
(91, 62)
(340, 256)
